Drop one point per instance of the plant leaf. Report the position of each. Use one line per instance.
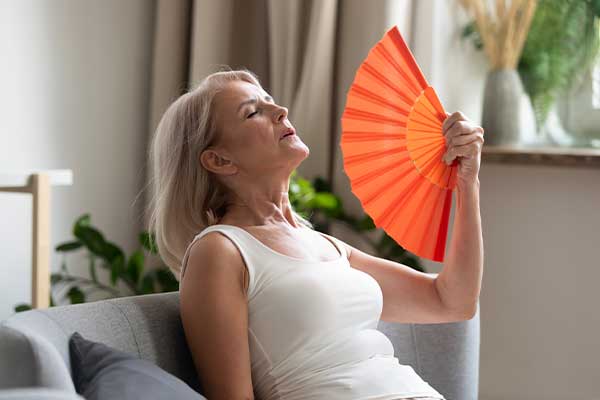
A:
(148, 241)
(22, 307)
(323, 200)
(55, 278)
(147, 285)
(366, 223)
(135, 266)
(117, 268)
(111, 252)
(83, 220)
(75, 295)
(167, 280)
(92, 239)
(68, 246)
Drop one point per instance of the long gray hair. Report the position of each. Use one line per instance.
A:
(186, 198)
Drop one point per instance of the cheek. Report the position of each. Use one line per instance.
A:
(255, 142)
(256, 134)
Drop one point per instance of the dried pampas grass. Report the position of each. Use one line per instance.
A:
(503, 27)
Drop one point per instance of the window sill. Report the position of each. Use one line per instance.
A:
(557, 156)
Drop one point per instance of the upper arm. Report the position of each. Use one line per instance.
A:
(214, 313)
(409, 296)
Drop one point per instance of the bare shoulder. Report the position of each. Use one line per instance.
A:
(214, 314)
(214, 254)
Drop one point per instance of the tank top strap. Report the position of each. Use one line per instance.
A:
(241, 241)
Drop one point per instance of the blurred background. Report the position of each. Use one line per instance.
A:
(84, 83)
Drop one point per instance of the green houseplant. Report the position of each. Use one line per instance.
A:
(102, 253)
(314, 201)
(562, 43)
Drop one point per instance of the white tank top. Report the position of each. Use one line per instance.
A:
(312, 328)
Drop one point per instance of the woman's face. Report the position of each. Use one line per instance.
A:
(251, 129)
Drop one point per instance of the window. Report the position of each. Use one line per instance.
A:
(579, 110)
(596, 87)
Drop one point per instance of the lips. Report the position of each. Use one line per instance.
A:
(288, 132)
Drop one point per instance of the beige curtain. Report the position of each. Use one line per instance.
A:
(305, 53)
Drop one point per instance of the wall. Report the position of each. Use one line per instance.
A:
(75, 82)
(539, 316)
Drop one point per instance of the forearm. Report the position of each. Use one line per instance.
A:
(459, 282)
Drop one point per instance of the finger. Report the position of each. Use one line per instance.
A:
(466, 150)
(457, 129)
(448, 122)
(465, 139)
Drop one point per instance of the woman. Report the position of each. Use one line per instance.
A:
(270, 307)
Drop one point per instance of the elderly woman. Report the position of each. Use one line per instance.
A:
(271, 308)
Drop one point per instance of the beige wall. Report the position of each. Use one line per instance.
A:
(74, 89)
(540, 321)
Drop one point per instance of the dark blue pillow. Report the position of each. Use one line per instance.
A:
(101, 373)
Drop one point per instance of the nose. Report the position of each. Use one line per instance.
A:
(280, 113)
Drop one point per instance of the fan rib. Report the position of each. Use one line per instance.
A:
(371, 137)
(435, 102)
(411, 221)
(441, 239)
(386, 184)
(407, 55)
(365, 93)
(409, 80)
(427, 117)
(354, 113)
(377, 75)
(398, 202)
(368, 177)
(372, 155)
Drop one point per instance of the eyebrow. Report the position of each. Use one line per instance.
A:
(250, 101)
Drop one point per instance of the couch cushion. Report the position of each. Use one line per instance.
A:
(101, 372)
(29, 360)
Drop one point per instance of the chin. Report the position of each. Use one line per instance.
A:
(300, 155)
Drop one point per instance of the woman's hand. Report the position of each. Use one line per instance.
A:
(464, 141)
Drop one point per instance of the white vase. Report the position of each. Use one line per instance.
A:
(507, 114)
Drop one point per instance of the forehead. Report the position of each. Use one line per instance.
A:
(233, 93)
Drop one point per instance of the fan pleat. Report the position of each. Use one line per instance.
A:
(372, 136)
(361, 158)
(407, 97)
(360, 102)
(406, 56)
(365, 93)
(397, 198)
(368, 116)
(392, 143)
(370, 126)
(382, 56)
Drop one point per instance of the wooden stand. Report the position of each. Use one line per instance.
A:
(38, 184)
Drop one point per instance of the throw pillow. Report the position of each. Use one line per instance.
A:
(101, 372)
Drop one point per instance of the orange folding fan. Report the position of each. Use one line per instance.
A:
(392, 146)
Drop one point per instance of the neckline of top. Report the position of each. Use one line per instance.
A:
(340, 258)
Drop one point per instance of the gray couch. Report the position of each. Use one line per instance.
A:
(34, 346)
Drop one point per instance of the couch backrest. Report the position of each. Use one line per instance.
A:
(445, 355)
(148, 326)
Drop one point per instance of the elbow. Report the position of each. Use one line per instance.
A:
(470, 312)
(464, 313)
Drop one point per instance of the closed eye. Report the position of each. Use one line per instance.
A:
(251, 114)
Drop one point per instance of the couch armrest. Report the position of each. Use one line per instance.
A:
(38, 394)
(28, 360)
